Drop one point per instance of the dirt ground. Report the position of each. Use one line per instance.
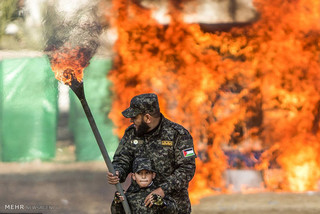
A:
(54, 188)
(260, 203)
(81, 187)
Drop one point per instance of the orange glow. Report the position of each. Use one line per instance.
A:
(300, 165)
(68, 64)
(264, 77)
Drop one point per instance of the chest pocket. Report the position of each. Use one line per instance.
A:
(163, 158)
(165, 150)
(138, 147)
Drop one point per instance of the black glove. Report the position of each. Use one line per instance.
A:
(117, 199)
(157, 200)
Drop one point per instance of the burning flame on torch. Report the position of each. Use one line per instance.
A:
(68, 64)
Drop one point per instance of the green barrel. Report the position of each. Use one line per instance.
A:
(96, 88)
(28, 109)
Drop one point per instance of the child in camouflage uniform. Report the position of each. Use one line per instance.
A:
(143, 175)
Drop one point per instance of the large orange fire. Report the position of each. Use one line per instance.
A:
(263, 78)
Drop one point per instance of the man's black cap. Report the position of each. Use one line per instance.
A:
(142, 104)
(141, 163)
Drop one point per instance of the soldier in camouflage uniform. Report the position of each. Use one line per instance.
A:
(167, 144)
(143, 175)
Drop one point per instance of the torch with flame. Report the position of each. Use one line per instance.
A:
(72, 40)
(68, 66)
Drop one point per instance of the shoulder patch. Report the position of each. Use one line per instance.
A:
(188, 153)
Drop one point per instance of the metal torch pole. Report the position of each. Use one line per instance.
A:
(78, 89)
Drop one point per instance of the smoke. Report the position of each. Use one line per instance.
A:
(72, 24)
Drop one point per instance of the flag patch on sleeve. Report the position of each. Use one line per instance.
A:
(188, 152)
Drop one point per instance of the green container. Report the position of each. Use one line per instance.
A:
(96, 88)
(28, 109)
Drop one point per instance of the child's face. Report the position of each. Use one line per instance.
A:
(143, 177)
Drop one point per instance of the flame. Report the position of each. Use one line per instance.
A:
(68, 64)
(264, 77)
(301, 164)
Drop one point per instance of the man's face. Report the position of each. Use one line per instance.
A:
(143, 177)
(140, 125)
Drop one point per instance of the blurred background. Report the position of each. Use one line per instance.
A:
(241, 75)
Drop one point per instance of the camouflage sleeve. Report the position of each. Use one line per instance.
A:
(170, 206)
(117, 208)
(184, 164)
(122, 159)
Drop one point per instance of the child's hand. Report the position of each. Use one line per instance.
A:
(157, 200)
(118, 198)
(148, 201)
